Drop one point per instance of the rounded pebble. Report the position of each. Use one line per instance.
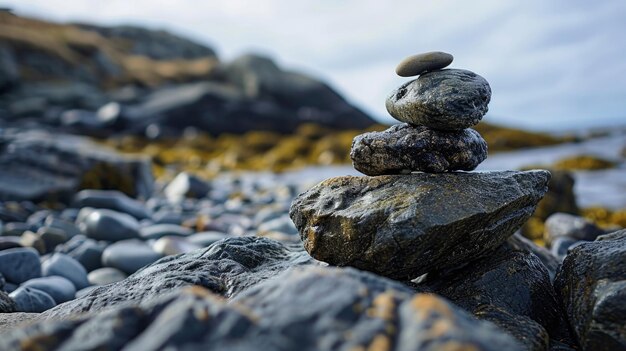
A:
(59, 288)
(129, 255)
(20, 264)
(32, 300)
(67, 267)
(417, 64)
(106, 275)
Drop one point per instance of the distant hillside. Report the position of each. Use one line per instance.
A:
(61, 74)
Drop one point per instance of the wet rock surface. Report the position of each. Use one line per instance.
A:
(226, 268)
(450, 99)
(354, 310)
(407, 225)
(591, 284)
(403, 148)
(510, 287)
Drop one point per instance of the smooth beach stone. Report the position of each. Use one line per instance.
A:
(30, 239)
(10, 242)
(106, 275)
(592, 286)
(68, 227)
(450, 99)
(59, 288)
(402, 226)
(417, 64)
(110, 225)
(404, 149)
(113, 200)
(570, 226)
(173, 245)
(66, 267)
(20, 264)
(561, 245)
(129, 255)
(86, 251)
(205, 239)
(157, 231)
(52, 237)
(32, 300)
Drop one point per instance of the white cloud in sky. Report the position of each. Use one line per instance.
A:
(550, 63)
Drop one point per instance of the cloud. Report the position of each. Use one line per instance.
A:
(550, 63)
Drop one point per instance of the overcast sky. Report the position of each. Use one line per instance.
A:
(551, 64)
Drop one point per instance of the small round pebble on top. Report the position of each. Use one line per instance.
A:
(429, 61)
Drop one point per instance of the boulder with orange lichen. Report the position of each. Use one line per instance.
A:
(307, 308)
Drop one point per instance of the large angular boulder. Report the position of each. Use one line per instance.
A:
(311, 308)
(402, 226)
(592, 286)
(510, 287)
(226, 268)
(38, 165)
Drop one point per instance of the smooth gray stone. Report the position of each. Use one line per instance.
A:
(20, 264)
(404, 148)
(129, 255)
(86, 251)
(14, 228)
(32, 300)
(402, 226)
(109, 225)
(157, 231)
(592, 286)
(66, 226)
(66, 267)
(113, 200)
(10, 242)
(173, 245)
(417, 64)
(30, 239)
(52, 237)
(571, 226)
(59, 288)
(204, 239)
(450, 99)
(106, 275)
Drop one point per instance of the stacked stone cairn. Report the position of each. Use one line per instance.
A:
(421, 217)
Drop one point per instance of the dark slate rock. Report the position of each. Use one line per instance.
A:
(186, 185)
(59, 288)
(105, 275)
(14, 228)
(404, 148)
(450, 99)
(402, 226)
(110, 225)
(205, 239)
(592, 286)
(549, 260)
(111, 199)
(87, 252)
(66, 267)
(129, 255)
(226, 268)
(571, 226)
(32, 300)
(52, 237)
(20, 264)
(44, 166)
(10, 242)
(7, 304)
(158, 231)
(353, 311)
(509, 282)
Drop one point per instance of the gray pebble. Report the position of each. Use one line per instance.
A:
(417, 64)
(59, 288)
(32, 300)
(63, 265)
(20, 264)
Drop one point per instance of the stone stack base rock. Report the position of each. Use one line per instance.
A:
(420, 216)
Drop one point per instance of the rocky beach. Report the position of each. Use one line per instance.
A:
(153, 196)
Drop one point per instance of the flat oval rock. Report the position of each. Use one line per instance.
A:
(417, 64)
(450, 99)
(404, 148)
(402, 226)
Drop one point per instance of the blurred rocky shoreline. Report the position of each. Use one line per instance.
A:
(145, 195)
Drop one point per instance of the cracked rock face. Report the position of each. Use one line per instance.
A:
(450, 99)
(592, 285)
(402, 226)
(352, 310)
(404, 148)
(226, 268)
